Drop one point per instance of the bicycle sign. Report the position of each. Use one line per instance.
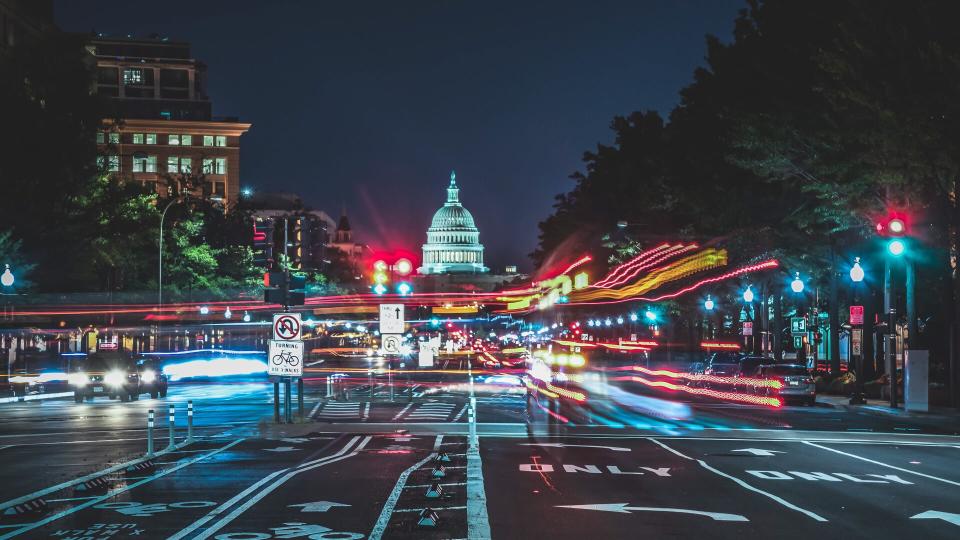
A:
(286, 326)
(285, 358)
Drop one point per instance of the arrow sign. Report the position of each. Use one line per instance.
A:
(934, 514)
(759, 451)
(623, 508)
(565, 445)
(319, 506)
(282, 449)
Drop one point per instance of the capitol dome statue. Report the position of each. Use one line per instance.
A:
(453, 241)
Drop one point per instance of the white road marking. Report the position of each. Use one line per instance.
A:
(565, 445)
(741, 483)
(111, 494)
(313, 411)
(624, 508)
(934, 514)
(273, 481)
(460, 414)
(391, 503)
(405, 409)
(82, 479)
(36, 397)
(437, 508)
(478, 522)
(901, 469)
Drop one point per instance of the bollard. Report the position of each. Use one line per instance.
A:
(171, 424)
(190, 421)
(150, 433)
(329, 386)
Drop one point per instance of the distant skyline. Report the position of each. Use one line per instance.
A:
(372, 104)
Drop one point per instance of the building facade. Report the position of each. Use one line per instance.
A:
(453, 240)
(161, 124)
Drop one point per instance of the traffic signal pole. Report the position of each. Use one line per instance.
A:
(891, 354)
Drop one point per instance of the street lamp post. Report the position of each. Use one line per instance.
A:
(163, 216)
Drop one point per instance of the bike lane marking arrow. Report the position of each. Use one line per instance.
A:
(935, 514)
(318, 506)
(564, 445)
(624, 508)
(760, 451)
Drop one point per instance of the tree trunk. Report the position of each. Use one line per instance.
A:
(834, 335)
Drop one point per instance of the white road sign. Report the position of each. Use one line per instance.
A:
(285, 358)
(287, 326)
(391, 318)
(391, 343)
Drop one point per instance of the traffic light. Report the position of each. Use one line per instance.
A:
(278, 289)
(296, 261)
(895, 226)
(263, 243)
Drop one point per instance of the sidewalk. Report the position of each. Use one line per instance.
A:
(883, 406)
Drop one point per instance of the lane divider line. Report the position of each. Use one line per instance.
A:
(116, 492)
(405, 409)
(894, 467)
(250, 489)
(226, 520)
(741, 483)
(87, 478)
(387, 512)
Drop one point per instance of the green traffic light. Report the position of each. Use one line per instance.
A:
(896, 247)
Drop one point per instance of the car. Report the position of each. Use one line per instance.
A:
(797, 383)
(112, 374)
(152, 379)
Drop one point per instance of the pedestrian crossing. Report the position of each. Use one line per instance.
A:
(437, 410)
(378, 411)
(335, 410)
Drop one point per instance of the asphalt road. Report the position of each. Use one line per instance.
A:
(486, 458)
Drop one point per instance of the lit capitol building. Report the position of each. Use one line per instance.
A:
(453, 240)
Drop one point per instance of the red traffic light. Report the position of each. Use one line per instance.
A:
(894, 224)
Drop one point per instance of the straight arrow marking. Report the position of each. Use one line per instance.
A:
(318, 506)
(935, 514)
(759, 451)
(564, 445)
(623, 508)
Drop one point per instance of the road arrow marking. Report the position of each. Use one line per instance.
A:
(295, 440)
(319, 506)
(934, 514)
(622, 508)
(565, 445)
(282, 449)
(759, 451)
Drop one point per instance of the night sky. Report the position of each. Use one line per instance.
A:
(371, 104)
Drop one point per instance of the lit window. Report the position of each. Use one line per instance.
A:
(151, 138)
(207, 166)
(101, 137)
(208, 140)
(111, 162)
(185, 165)
(173, 140)
(114, 138)
(221, 140)
(139, 163)
(173, 164)
(220, 166)
(138, 138)
(186, 140)
(132, 76)
(151, 165)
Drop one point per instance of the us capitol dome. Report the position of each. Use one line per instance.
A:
(453, 240)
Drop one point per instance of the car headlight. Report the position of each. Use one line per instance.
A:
(148, 375)
(115, 378)
(78, 379)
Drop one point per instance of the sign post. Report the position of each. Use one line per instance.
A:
(285, 357)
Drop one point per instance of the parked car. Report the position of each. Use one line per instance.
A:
(112, 374)
(152, 379)
(797, 383)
